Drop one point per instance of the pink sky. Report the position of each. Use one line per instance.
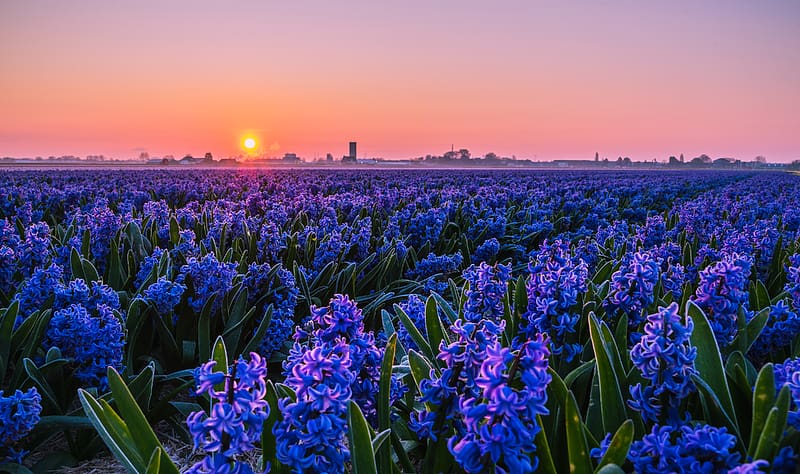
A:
(534, 79)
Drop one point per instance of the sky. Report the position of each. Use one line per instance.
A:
(535, 79)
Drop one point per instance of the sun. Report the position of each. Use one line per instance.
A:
(250, 143)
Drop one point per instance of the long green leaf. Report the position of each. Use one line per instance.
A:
(773, 429)
(619, 447)
(361, 454)
(709, 360)
(763, 401)
(6, 332)
(579, 461)
(412, 330)
(219, 354)
(131, 413)
(613, 412)
(125, 455)
(433, 324)
(384, 454)
(420, 368)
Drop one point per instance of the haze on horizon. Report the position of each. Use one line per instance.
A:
(535, 79)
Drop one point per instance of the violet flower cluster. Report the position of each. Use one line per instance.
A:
(665, 357)
(19, 414)
(690, 449)
(632, 289)
(92, 340)
(722, 291)
(312, 435)
(486, 292)
(238, 410)
(207, 277)
(557, 280)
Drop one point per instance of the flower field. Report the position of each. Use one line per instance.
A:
(400, 321)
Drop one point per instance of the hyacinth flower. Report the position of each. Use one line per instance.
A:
(486, 292)
(312, 435)
(691, 449)
(462, 360)
(434, 270)
(500, 423)
(720, 294)
(92, 340)
(665, 357)
(37, 290)
(632, 289)
(793, 280)
(19, 414)
(164, 295)
(238, 410)
(209, 277)
(487, 251)
(783, 325)
(557, 279)
(342, 320)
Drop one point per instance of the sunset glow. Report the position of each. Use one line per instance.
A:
(540, 80)
(249, 143)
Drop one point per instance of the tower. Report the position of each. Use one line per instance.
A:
(353, 154)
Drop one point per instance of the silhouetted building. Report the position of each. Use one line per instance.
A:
(353, 149)
(291, 158)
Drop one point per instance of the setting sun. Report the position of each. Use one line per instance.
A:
(249, 143)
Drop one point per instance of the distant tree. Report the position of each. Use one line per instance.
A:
(464, 154)
(681, 157)
(761, 159)
(144, 156)
(208, 157)
(597, 156)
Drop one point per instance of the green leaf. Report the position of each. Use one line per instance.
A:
(384, 454)
(416, 336)
(771, 436)
(145, 439)
(433, 324)
(579, 461)
(114, 440)
(380, 440)
(610, 469)
(619, 447)
(420, 369)
(763, 401)
(546, 464)
(611, 399)
(744, 339)
(89, 272)
(204, 330)
(154, 466)
(219, 355)
(268, 441)
(361, 454)
(76, 267)
(6, 333)
(258, 336)
(709, 360)
(41, 384)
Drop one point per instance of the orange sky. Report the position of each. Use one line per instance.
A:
(532, 79)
